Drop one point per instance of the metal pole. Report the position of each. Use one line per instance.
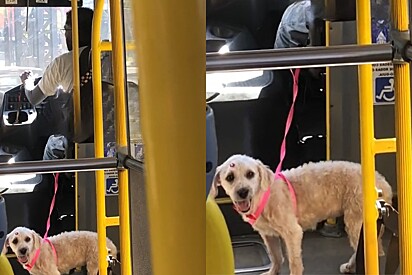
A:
(299, 57)
(98, 136)
(76, 68)
(130, 163)
(61, 165)
(171, 55)
(370, 213)
(403, 122)
(121, 118)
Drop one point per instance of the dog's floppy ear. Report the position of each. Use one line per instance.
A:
(36, 239)
(6, 245)
(216, 182)
(265, 174)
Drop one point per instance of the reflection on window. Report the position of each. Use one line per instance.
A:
(231, 86)
(31, 37)
(136, 141)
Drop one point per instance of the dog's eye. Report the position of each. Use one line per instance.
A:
(230, 177)
(250, 174)
(27, 239)
(15, 241)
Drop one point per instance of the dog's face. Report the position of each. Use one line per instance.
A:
(23, 242)
(242, 177)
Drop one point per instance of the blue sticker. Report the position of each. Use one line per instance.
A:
(112, 187)
(384, 90)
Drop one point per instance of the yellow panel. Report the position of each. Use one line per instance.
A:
(219, 252)
(172, 70)
(5, 267)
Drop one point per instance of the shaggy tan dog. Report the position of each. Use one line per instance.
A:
(323, 190)
(74, 249)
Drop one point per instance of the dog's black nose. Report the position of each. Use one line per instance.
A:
(243, 192)
(23, 250)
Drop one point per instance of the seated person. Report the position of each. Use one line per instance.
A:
(58, 76)
(297, 26)
(59, 73)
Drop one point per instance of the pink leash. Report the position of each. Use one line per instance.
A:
(278, 174)
(45, 239)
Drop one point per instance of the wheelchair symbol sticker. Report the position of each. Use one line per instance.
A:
(112, 187)
(384, 90)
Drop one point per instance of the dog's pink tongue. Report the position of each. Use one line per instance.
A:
(23, 259)
(243, 206)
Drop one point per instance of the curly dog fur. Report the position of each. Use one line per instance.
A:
(74, 249)
(323, 190)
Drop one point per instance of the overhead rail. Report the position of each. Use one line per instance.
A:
(299, 57)
(60, 165)
(38, 3)
(130, 163)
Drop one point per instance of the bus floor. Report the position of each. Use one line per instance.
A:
(321, 255)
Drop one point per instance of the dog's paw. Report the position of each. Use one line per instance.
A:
(272, 272)
(346, 269)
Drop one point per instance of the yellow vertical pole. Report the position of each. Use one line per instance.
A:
(327, 91)
(370, 213)
(400, 22)
(116, 19)
(98, 136)
(172, 70)
(76, 67)
(76, 94)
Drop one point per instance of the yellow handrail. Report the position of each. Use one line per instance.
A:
(116, 19)
(370, 213)
(98, 136)
(76, 67)
(327, 93)
(76, 96)
(400, 22)
(106, 46)
(172, 72)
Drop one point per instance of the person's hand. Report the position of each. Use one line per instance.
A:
(25, 75)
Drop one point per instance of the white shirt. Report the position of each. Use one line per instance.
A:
(58, 73)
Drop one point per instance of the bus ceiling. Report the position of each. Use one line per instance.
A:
(38, 3)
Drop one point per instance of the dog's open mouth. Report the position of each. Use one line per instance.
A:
(243, 206)
(23, 259)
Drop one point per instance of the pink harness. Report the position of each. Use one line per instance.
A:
(30, 265)
(252, 218)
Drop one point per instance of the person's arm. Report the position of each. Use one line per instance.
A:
(55, 75)
(33, 93)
